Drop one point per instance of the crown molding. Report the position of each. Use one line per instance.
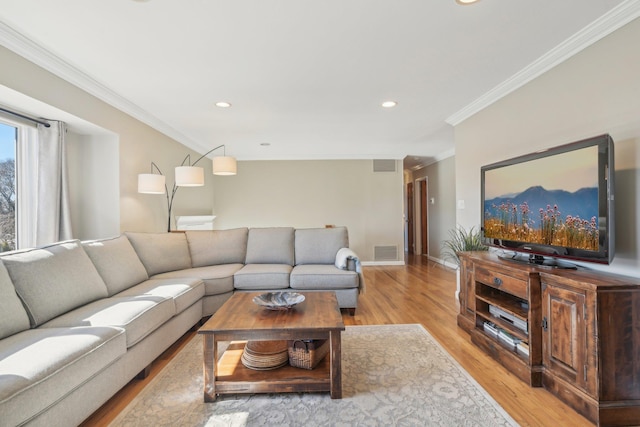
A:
(34, 52)
(616, 18)
(435, 159)
(440, 157)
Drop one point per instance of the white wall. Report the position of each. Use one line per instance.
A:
(138, 146)
(442, 214)
(597, 91)
(300, 194)
(93, 164)
(315, 193)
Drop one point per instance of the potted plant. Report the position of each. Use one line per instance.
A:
(461, 240)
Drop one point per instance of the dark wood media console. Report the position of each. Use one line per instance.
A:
(581, 327)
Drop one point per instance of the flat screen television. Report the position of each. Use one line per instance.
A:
(552, 205)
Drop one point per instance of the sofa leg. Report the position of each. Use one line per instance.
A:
(144, 373)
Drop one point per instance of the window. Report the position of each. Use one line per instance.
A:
(8, 141)
(18, 184)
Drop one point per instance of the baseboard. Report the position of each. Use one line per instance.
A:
(443, 262)
(371, 263)
(431, 258)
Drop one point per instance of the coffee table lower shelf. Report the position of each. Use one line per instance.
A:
(233, 377)
(240, 320)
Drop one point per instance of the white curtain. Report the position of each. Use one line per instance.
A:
(26, 186)
(52, 218)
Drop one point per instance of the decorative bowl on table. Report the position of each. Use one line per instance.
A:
(278, 300)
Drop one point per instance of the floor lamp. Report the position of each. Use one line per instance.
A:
(186, 175)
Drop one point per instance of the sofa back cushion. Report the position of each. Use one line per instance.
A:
(117, 262)
(161, 252)
(320, 245)
(54, 279)
(14, 318)
(270, 246)
(217, 247)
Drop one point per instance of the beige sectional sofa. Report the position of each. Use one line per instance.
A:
(78, 320)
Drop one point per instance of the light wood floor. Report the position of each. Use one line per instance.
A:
(419, 292)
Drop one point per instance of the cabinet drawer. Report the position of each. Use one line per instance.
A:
(502, 282)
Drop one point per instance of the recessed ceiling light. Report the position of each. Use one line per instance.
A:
(265, 144)
(389, 104)
(223, 104)
(466, 2)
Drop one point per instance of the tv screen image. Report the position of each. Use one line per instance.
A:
(555, 203)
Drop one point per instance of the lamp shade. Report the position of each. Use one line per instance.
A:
(224, 165)
(189, 176)
(151, 183)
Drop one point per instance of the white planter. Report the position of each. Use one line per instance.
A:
(458, 284)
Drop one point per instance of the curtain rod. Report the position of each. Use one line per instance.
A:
(22, 116)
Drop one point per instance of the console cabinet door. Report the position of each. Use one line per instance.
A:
(564, 334)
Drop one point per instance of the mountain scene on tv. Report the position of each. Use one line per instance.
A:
(565, 215)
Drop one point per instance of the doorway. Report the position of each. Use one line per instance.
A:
(409, 219)
(421, 197)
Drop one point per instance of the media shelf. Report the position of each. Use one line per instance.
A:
(499, 313)
(482, 319)
(579, 327)
(518, 307)
(508, 312)
(512, 340)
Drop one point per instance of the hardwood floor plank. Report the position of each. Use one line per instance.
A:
(420, 292)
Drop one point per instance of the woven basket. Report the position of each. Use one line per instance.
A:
(307, 354)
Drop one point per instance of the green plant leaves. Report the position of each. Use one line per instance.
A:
(461, 240)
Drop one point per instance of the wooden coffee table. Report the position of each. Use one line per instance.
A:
(240, 319)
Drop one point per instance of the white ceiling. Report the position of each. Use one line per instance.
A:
(306, 77)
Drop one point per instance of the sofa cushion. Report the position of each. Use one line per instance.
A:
(160, 252)
(117, 262)
(14, 318)
(215, 247)
(40, 366)
(320, 245)
(184, 291)
(263, 276)
(270, 246)
(137, 315)
(218, 279)
(54, 279)
(312, 276)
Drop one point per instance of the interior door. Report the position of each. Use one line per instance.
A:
(409, 213)
(424, 229)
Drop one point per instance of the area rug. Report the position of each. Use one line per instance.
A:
(393, 375)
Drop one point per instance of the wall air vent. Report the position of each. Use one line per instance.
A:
(385, 253)
(384, 165)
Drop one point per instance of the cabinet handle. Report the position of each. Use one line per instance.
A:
(497, 281)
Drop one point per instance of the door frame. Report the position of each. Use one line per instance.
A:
(418, 212)
(410, 219)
